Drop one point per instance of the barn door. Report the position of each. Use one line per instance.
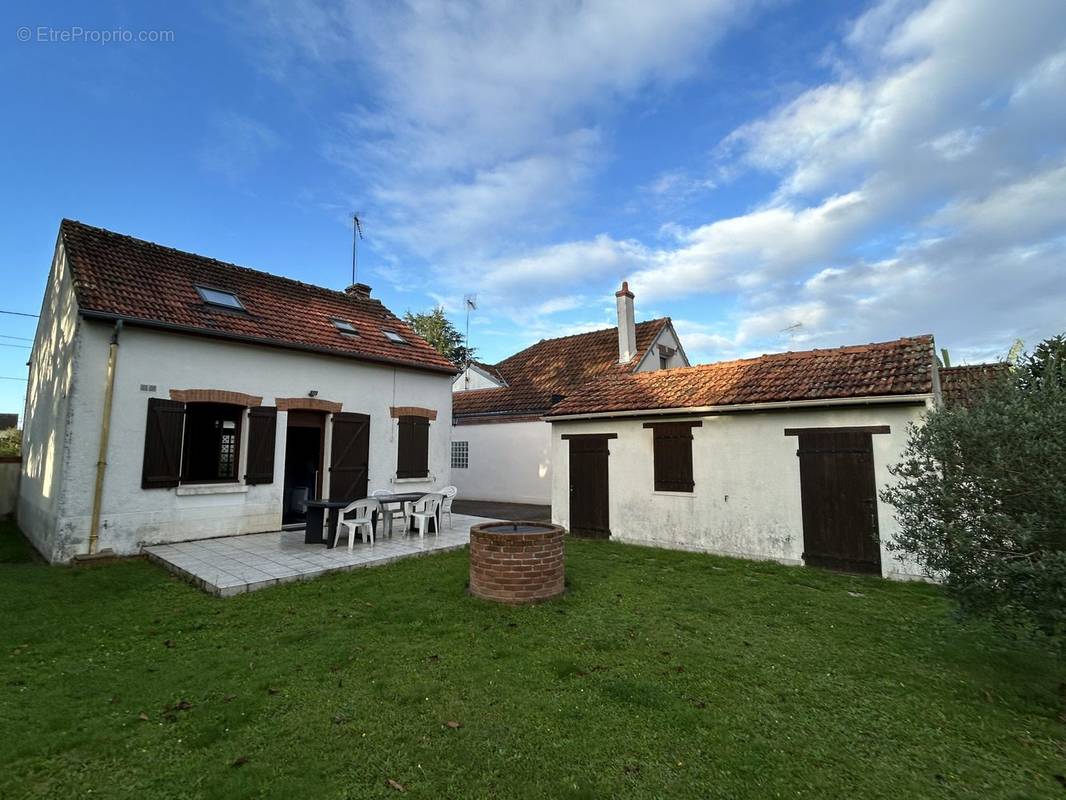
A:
(839, 496)
(589, 494)
(349, 457)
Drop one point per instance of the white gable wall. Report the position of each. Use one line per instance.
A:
(746, 500)
(474, 378)
(132, 516)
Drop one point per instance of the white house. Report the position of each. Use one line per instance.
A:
(174, 397)
(501, 447)
(779, 457)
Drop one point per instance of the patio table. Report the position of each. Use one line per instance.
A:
(315, 511)
(399, 498)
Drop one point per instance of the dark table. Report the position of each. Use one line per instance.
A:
(316, 509)
(399, 498)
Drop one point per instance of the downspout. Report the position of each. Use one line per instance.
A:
(105, 433)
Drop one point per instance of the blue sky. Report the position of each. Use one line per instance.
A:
(772, 175)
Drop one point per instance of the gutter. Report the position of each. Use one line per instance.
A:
(107, 316)
(105, 435)
(899, 399)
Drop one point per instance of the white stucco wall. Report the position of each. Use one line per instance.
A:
(474, 378)
(747, 496)
(509, 461)
(132, 517)
(10, 469)
(46, 430)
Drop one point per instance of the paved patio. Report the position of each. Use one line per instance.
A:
(235, 564)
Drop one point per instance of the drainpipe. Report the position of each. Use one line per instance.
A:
(105, 432)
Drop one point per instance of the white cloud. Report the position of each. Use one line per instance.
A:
(236, 145)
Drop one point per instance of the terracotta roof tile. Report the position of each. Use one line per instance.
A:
(961, 386)
(899, 367)
(117, 275)
(551, 368)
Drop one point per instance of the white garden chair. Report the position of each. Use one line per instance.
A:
(393, 512)
(425, 509)
(449, 493)
(362, 522)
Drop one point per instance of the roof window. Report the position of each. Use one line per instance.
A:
(220, 298)
(345, 327)
(393, 336)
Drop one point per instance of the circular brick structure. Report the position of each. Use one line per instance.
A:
(516, 562)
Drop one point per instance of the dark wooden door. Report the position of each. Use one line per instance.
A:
(589, 492)
(349, 457)
(839, 496)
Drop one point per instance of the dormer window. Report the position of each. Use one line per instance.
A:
(393, 336)
(220, 298)
(345, 327)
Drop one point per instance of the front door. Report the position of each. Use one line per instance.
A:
(839, 496)
(589, 492)
(303, 463)
(349, 457)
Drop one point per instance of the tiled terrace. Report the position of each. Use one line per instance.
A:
(234, 564)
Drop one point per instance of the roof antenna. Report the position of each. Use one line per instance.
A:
(470, 302)
(357, 234)
(792, 330)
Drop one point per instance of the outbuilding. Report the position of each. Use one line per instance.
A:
(778, 457)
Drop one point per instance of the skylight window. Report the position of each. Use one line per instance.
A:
(393, 336)
(345, 327)
(220, 298)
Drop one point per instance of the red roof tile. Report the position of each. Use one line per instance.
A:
(120, 276)
(552, 367)
(899, 367)
(961, 386)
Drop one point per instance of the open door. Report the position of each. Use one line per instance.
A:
(304, 446)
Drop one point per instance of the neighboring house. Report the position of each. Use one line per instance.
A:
(501, 445)
(778, 457)
(235, 395)
(961, 386)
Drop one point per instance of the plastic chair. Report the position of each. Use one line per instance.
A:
(449, 493)
(363, 522)
(425, 509)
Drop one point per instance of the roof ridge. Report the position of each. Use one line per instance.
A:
(340, 293)
(574, 336)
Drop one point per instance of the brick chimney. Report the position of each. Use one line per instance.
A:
(627, 326)
(359, 291)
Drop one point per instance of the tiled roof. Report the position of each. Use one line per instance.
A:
(899, 367)
(962, 385)
(552, 367)
(120, 276)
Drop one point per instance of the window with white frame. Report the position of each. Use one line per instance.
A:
(460, 455)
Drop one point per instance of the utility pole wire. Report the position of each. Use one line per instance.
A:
(19, 314)
(9, 378)
(19, 338)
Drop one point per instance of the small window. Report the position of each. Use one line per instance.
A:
(393, 336)
(672, 446)
(212, 442)
(664, 362)
(460, 455)
(412, 448)
(345, 327)
(219, 297)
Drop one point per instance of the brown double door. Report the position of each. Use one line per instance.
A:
(589, 492)
(839, 495)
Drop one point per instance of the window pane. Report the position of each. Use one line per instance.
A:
(217, 297)
(211, 447)
(460, 455)
(393, 336)
(345, 327)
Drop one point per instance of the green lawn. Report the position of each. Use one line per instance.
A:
(660, 674)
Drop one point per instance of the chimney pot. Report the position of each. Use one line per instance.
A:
(359, 290)
(627, 326)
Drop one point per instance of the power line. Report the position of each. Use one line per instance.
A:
(23, 346)
(19, 338)
(9, 378)
(19, 314)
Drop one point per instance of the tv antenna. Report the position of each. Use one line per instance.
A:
(791, 330)
(357, 234)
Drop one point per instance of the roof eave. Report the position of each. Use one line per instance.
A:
(190, 330)
(903, 399)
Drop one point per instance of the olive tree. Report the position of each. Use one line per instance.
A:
(981, 495)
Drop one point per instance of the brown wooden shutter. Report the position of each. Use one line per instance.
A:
(262, 430)
(412, 451)
(349, 456)
(162, 444)
(672, 442)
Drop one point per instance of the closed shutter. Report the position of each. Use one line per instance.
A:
(262, 430)
(349, 457)
(673, 455)
(412, 457)
(162, 444)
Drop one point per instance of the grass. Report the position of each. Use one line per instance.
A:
(660, 674)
